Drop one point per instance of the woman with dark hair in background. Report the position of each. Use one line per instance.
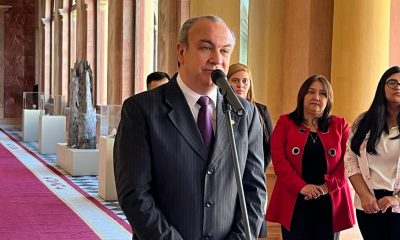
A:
(372, 161)
(239, 77)
(311, 198)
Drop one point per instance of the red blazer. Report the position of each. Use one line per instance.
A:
(287, 145)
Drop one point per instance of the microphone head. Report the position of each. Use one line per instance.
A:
(216, 74)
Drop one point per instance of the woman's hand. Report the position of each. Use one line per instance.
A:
(369, 203)
(324, 188)
(386, 202)
(311, 191)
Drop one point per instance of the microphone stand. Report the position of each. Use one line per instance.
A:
(227, 108)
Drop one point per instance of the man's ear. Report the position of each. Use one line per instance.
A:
(180, 52)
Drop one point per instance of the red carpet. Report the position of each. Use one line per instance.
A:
(29, 210)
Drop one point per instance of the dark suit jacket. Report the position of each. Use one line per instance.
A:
(168, 187)
(267, 131)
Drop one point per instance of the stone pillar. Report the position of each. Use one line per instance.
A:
(288, 42)
(265, 52)
(114, 72)
(81, 30)
(3, 9)
(65, 71)
(102, 57)
(394, 33)
(58, 56)
(226, 9)
(360, 53)
(46, 44)
(168, 29)
(128, 43)
(120, 83)
(144, 44)
(171, 15)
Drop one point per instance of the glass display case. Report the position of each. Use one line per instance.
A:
(110, 115)
(30, 100)
(30, 116)
(53, 105)
(52, 120)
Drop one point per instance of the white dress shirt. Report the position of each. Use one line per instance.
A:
(192, 97)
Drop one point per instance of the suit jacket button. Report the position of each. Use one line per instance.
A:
(208, 237)
(210, 171)
(209, 204)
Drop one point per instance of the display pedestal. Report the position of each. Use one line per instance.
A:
(30, 124)
(77, 162)
(61, 151)
(107, 189)
(51, 132)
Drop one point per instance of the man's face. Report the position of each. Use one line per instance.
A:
(210, 47)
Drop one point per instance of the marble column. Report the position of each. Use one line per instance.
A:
(227, 10)
(360, 53)
(81, 30)
(3, 9)
(120, 65)
(57, 48)
(45, 83)
(171, 15)
(394, 52)
(288, 42)
(64, 51)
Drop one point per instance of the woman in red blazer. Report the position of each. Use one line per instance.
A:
(311, 197)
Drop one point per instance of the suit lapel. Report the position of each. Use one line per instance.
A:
(221, 143)
(182, 118)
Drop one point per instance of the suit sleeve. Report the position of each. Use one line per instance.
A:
(253, 183)
(133, 175)
(337, 179)
(284, 171)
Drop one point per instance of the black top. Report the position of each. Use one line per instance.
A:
(314, 162)
(267, 130)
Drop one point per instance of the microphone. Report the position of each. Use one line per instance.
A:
(219, 78)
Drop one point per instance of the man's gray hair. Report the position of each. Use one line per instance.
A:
(183, 34)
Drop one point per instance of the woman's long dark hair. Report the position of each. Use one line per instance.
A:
(297, 115)
(373, 120)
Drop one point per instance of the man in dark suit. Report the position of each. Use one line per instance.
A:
(170, 184)
(156, 79)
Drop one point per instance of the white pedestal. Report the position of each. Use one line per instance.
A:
(30, 124)
(61, 152)
(107, 189)
(51, 132)
(77, 162)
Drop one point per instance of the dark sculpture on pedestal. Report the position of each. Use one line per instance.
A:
(82, 116)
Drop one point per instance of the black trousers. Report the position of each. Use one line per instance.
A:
(385, 226)
(312, 220)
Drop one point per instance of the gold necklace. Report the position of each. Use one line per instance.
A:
(312, 137)
(311, 126)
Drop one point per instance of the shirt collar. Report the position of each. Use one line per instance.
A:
(192, 97)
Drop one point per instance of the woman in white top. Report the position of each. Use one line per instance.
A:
(372, 161)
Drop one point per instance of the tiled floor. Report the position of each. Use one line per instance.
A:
(88, 183)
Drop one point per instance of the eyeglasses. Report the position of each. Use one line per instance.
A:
(392, 83)
(244, 81)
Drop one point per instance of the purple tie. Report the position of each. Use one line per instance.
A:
(204, 122)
